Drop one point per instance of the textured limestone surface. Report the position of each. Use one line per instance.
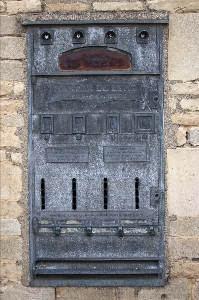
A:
(190, 104)
(185, 88)
(9, 25)
(183, 182)
(11, 248)
(68, 7)
(10, 227)
(11, 70)
(185, 226)
(173, 5)
(108, 6)
(12, 47)
(14, 7)
(180, 248)
(194, 136)
(20, 292)
(178, 289)
(186, 119)
(181, 136)
(185, 268)
(183, 51)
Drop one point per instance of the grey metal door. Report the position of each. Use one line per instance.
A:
(96, 153)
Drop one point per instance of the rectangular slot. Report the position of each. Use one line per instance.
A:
(137, 200)
(74, 194)
(105, 193)
(42, 193)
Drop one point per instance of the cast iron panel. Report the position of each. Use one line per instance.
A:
(96, 154)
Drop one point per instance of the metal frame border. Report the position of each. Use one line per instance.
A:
(31, 75)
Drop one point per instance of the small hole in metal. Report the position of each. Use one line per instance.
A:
(46, 36)
(110, 34)
(78, 35)
(143, 34)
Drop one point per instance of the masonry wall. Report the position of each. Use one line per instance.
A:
(181, 50)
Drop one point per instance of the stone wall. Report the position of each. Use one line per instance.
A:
(181, 144)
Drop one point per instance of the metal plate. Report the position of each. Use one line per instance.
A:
(96, 154)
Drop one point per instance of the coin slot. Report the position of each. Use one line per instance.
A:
(42, 193)
(137, 193)
(105, 193)
(74, 193)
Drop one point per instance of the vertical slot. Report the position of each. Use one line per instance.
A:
(42, 193)
(74, 193)
(137, 193)
(105, 193)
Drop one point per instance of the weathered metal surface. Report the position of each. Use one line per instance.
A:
(96, 154)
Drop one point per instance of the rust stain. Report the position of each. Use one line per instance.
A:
(94, 58)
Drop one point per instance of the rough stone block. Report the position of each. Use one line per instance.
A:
(63, 293)
(10, 140)
(2, 155)
(9, 25)
(68, 7)
(11, 249)
(127, 293)
(11, 70)
(2, 6)
(186, 119)
(20, 292)
(111, 6)
(183, 47)
(10, 106)
(196, 290)
(181, 136)
(16, 158)
(175, 289)
(12, 121)
(183, 182)
(173, 5)
(10, 209)
(184, 227)
(18, 88)
(187, 88)
(185, 269)
(194, 136)
(12, 47)
(14, 7)
(6, 87)
(180, 248)
(172, 103)
(10, 227)
(190, 104)
(10, 271)
(11, 182)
